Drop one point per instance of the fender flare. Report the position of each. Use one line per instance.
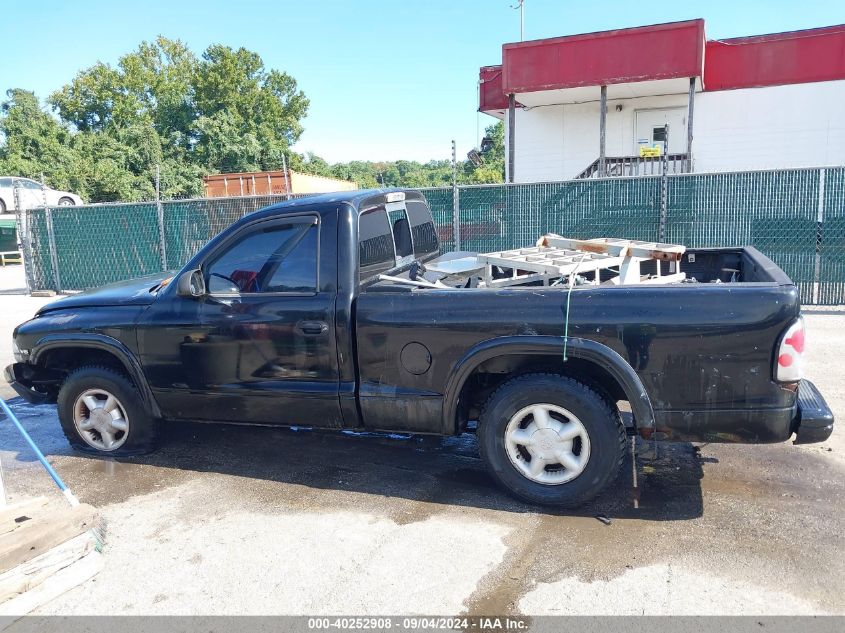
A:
(106, 344)
(584, 349)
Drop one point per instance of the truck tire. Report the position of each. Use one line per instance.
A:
(551, 440)
(101, 412)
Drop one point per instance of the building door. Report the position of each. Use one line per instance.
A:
(650, 130)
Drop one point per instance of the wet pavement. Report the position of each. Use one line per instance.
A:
(765, 521)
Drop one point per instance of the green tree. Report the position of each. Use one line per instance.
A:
(161, 105)
(247, 117)
(29, 135)
(151, 85)
(105, 169)
(490, 167)
(309, 163)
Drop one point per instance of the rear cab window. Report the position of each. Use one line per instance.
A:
(423, 232)
(394, 234)
(376, 254)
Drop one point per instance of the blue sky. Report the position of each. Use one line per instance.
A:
(387, 79)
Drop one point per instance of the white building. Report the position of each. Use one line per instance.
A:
(768, 101)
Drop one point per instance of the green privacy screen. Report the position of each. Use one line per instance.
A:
(831, 247)
(796, 217)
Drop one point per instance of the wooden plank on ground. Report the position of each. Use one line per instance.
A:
(32, 573)
(64, 580)
(29, 508)
(37, 536)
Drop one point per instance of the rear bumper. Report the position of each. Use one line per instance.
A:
(814, 419)
(809, 419)
(18, 375)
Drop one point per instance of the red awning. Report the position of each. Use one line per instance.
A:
(776, 59)
(654, 60)
(647, 53)
(491, 97)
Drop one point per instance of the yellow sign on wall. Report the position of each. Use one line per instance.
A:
(649, 152)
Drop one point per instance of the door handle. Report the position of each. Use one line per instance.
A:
(312, 328)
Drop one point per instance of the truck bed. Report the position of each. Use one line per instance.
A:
(708, 265)
(701, 265)
(703, 350)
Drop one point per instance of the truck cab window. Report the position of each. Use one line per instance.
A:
(375, 243)
(401, 233)
(423, 233)
(278, 259)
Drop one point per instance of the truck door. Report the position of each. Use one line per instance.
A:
(260, 346)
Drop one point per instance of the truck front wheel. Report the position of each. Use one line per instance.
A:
(101, 411)
(551, 440)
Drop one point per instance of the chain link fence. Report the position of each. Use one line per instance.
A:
(796, 217)
(74, 248)
(830, 241)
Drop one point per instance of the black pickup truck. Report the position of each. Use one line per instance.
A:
(307, 313)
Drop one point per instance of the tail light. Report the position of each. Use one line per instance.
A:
(790, 353)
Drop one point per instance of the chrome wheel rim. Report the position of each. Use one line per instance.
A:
(547, 444)
(101, 420)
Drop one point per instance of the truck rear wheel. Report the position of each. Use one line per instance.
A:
(101, 411)
(551, 440)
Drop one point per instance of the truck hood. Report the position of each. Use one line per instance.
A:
(131, 292)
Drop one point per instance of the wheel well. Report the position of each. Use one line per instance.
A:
(68, 359)
(490, 374)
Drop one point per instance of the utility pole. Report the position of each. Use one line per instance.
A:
(664, 189)
(454, 164)
(162, 235)
(158, 182)
(520, 4)
(456, 204)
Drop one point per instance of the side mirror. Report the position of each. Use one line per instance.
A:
(191, 284)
